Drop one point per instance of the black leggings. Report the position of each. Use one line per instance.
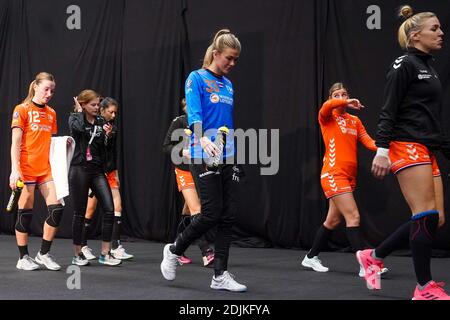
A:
(218, 196)
(80, 180)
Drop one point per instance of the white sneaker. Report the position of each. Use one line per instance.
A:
(88, 253)
(27, 264)
(314, 263)
(80, 260)
(169, 263)
(109, 260)
(121, 254)
(48, 261)
(226, 282)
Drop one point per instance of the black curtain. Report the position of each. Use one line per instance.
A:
(140, 53)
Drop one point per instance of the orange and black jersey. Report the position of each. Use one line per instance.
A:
(341, 133)
(412, 104)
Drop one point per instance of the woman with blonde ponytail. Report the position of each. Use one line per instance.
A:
(33, 124)
(209, 97)
(410, 131)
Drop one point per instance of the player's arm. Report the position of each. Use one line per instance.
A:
(15, 156)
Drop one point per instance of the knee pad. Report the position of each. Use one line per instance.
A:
(23, 220)
(55, 212)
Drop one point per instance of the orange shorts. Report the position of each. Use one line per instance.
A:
(336, 184)
(184, 179)
(407, 154)
(29, 179)
(112, 180)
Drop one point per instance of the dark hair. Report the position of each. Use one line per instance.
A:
(107, 101)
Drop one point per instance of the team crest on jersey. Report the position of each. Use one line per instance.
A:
(16, 115)
(189, 83)
(214, 98)
(230, 89)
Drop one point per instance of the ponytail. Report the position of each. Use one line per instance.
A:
(222, 40)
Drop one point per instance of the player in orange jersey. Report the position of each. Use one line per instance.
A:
(33, 124)
(341, 132)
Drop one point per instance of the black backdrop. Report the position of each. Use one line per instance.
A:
(140, 52)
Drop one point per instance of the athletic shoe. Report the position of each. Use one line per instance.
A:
(226, 282)
(169, 263)
(432, 291)
(88, 253)
(27, 264)
(381, 273)
(48, 261)
(372, 268)
(184, 260)
(314, 263)
(121, 254)
(108, 260)
(208, 259)
(80, 260)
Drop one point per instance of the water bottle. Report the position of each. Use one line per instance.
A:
(15, 195)
(214, 162)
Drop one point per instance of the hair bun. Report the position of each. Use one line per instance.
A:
(405, 12)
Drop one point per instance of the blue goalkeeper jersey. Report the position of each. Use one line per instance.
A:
(209, 100)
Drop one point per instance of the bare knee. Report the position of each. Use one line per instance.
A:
(332, 223)
(352, 219)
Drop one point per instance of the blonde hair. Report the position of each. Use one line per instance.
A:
(85, 96)
(336, 86)
(41, 76)
(413, 23)
(222, 40)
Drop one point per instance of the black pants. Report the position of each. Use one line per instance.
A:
(218, 196)
(80, 180)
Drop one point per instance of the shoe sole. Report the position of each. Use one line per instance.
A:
(369, 285)
(19, 268)
(81, 265)
(224, 289)
(309, 267)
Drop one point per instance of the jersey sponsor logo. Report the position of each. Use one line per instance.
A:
(16, 115)
(34, 127)
(230, 89)
(189, 83)
(214, 98)
(50, 117)
(424, 76)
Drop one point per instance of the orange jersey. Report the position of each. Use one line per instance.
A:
(38, 125)
(341, 133)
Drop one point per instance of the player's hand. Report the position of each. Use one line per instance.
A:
(441, 219)
(380, 166)
(354, 104)
(210, 148)
(108, 129)
(13, 178)
(78, 107)
(186, 153)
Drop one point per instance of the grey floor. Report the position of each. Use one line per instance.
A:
(270, 274)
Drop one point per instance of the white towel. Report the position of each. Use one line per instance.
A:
(60, 157)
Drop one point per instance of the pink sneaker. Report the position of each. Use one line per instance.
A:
(372, 268)
(433, 291)
(184, 260)
(208, 259)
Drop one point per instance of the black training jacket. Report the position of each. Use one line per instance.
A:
(81, 130)
(177, 123)
(412, 104)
